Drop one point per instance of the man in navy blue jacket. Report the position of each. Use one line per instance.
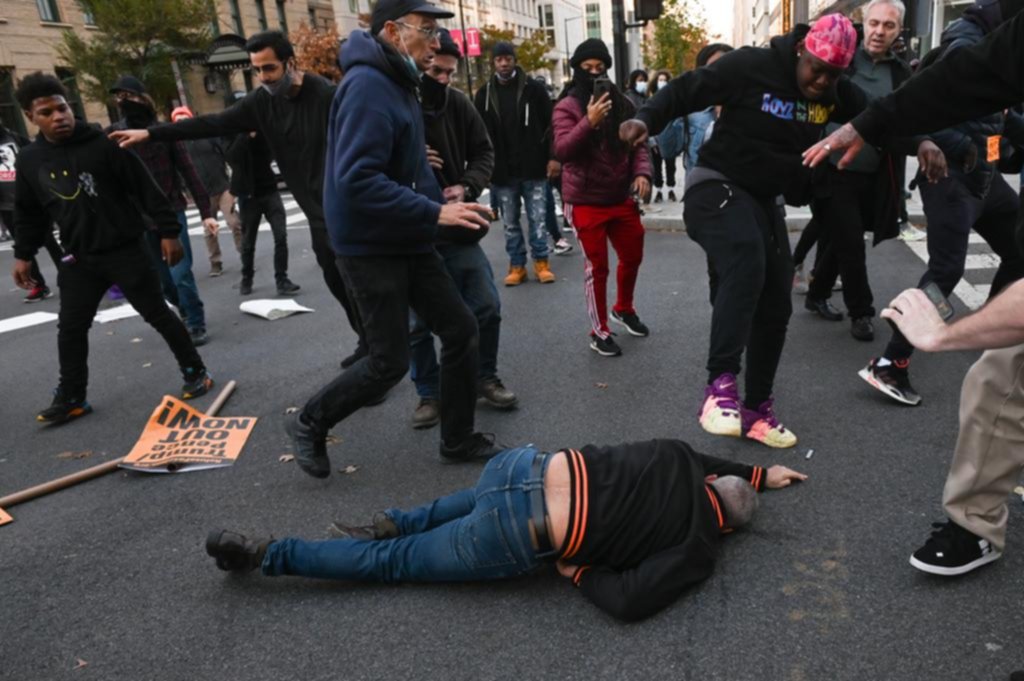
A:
(383, 207)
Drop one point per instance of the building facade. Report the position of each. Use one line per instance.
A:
(31, 30)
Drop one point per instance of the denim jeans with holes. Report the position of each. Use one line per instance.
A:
(511, 199)
(473, 535)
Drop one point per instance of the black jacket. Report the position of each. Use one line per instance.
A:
(208, 158)
(765, 124)
(529, 135)
(249, 158)
(457, 132)
(644, 526)
(966, 144)
(295, 128)
(94, 190)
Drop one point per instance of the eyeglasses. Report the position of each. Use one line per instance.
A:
(430, 33)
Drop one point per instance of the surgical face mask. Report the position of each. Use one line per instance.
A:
(641, 87)
(662, 82)
(280, 87)
(410, 63)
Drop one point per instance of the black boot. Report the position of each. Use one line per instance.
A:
(823, 309)
(234, 553)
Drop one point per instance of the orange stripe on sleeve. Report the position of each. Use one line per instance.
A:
(570, 548)
(714, 505)
(586, 501)
(582, 500)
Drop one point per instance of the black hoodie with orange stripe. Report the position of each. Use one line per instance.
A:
(643, 525)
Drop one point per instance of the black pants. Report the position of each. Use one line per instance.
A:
(384, 289)
(327, 260)
(808, 237)
(669, 177)
(50, 244)
(251, 210)
(843, 216)
(952, 211)
(82, 285)
(746, 242)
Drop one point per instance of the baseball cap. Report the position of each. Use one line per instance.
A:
(393, 10)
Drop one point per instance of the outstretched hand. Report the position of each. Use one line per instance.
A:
(633, 132)
(468, 215)
(780, 476)
(845, 137)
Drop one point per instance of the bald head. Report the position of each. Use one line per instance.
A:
(739, 499)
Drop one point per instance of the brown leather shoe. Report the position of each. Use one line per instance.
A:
(516, 275)
(544, 273)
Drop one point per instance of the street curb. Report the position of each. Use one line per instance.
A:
(654, 222)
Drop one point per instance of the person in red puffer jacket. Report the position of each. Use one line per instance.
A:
(601, 181)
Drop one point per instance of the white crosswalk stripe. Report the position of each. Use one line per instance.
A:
(972, 295)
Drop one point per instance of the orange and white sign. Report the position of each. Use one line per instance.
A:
(992, 151)
(180, 438)
(5, 518)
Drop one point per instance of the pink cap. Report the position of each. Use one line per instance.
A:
(833, 40)
(181, 112)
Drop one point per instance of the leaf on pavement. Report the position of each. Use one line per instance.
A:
(147, 365)
(75, 455)
(333, 440)
(136, 340)
(291, 410)
(602, 386)
(349, 470)
(285, 458)
(79, 663)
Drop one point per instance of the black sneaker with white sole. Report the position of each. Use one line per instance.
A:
(893, 379)
(606, 347)
(952, 551)
(633, 325)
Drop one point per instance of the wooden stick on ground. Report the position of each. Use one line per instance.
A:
(96, 471)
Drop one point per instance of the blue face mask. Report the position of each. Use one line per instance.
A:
(641, 87)
(410, 63)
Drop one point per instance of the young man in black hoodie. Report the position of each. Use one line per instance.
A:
(74, 176)
(775, 103)
(290, 109)
(632, 525)
(517, 111)
(462, 158)
(10, 145)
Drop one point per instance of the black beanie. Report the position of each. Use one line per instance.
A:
(592, 48)
(448, 45)
(503, 49)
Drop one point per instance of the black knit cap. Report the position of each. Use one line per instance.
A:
(128, 83)
(503, 49)
(448, 45)
(393, 10)
(592, 48)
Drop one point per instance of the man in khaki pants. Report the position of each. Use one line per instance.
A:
(989, 456)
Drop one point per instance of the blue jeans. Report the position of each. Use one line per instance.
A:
(511, 199)
(550, 219)
(473, 535)
(177, 282)
(471, 271)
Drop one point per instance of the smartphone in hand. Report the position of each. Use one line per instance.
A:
(602, 86)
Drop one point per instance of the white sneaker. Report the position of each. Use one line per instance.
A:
(800, 283)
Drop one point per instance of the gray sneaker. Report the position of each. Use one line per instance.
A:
(800, 283)
(309, 446)
(427, 414)
(494, 393)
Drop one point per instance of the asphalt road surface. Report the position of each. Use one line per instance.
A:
(109, 579)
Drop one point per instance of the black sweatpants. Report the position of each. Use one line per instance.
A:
(385, 288)
(843, 216)
(251, 210)
(952, 211)
(747, 245)
(669, 164)
(82, 285)
(326, 258)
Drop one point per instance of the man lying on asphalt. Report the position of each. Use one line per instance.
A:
(633, 525)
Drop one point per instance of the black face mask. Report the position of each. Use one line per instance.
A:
(433, 93)
(583, 81)
(137, 114)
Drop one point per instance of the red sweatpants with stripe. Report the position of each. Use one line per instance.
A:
(595, 226)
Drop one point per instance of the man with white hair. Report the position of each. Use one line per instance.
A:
(633, 525)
